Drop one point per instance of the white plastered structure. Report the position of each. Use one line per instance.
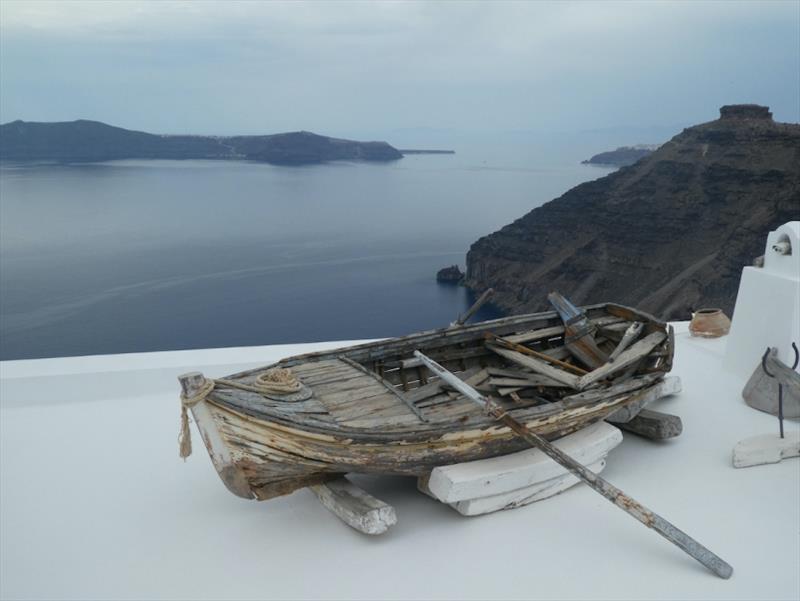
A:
(767, 312)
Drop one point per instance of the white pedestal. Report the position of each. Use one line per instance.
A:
(767, 312)
(509, 481)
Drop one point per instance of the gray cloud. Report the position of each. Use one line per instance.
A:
(343, 68)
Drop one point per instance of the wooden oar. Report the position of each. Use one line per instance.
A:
(609, 491)
(462, 319)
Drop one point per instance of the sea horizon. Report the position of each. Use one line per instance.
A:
(152, 255)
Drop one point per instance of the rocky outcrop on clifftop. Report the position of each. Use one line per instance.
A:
(622, 156)
(668, 234)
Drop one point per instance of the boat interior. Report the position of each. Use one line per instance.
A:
(383, 385)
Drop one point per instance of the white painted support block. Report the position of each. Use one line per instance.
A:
(767, 448)
(355, 506)
(523, 496)
(498, 475)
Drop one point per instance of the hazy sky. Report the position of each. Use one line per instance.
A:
(253, 67)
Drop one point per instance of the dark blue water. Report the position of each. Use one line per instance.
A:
(134, 256)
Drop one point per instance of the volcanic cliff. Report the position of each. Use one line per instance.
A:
(668, 234)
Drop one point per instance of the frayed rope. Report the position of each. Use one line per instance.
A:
(187, 402)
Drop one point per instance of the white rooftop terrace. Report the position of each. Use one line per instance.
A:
(95, 504)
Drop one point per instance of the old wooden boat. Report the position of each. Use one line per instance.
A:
(374, 408)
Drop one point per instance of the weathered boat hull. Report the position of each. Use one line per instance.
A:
(374, 420)
(276, 459)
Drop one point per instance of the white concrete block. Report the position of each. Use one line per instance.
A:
(523, 496)
(498, 475)
(767, 448)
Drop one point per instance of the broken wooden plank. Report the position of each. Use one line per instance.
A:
(474, 376)
(554, 331)
(533, 382)
(355, 506)
(631, 333)
(626, 358)
(599, 393)
(438, 386)
(532, 353)
(524, 375)
(508, 390)
(542, 334)
(578, 332)
(536, 365)
(654, 425)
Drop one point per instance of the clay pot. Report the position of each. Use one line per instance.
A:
(709, 323)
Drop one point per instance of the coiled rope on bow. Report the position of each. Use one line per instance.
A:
(278, 380)
(275, 381)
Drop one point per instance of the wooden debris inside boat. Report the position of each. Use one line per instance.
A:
(376, 409)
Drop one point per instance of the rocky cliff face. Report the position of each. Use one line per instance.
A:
(668, 234)
(94, 141)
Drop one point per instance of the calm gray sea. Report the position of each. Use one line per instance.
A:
(130, 256)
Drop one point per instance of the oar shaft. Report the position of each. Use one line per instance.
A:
(609, 491)
(462, 319)
(624, 502)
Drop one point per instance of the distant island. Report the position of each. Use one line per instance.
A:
(90, 141)
(622, 156)
(417, 151)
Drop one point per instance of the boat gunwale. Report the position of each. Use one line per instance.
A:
(434, 432)
(423, 430)
(439, 333)
(426, 430)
